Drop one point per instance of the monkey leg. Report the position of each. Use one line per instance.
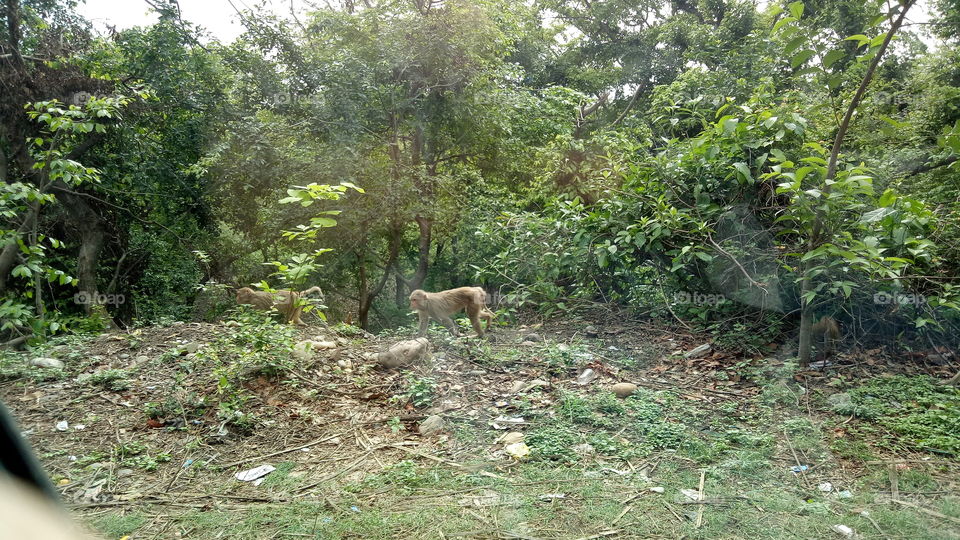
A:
(451, 325)
(474, 314)
(424, 322)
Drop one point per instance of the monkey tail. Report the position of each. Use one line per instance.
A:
(312, 290)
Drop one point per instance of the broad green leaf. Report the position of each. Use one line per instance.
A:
(798, 59)
(889, 197)
(794, 44)
(743, 169)
(796, 9)
(831, 57)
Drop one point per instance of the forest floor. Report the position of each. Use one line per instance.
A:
(143, 433)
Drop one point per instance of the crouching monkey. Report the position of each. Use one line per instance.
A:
(288, 303)
(826, 331)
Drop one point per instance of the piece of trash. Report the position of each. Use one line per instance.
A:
(657, 489)
(797, 469)
(504, 422)
(250, 475)
(692, 494)
(843, 530)
(510, 438)
(51, 363)
(487, 498)
(187, 463)
(697, 352)
(587, 376)
(612, 348)
(62, 425)
(552, 496)
(825, 487)
(80, 427)
(355, 509)
(26, 433)
(845, 494)
(585, 449)
(820, 364)
(63, 481)
(518, 450)
(71, 459)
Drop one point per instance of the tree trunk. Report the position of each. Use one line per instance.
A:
(363, 309)
(806, 314)
(423, 262)
(90, 229)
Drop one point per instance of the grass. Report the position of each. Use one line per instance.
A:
(593, 457)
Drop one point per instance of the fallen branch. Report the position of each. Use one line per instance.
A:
(927, 511)
(285, 451)
(703, 476)
(446, 461)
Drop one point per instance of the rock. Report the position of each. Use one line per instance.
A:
(657, 489)
(702, 350)
(303, 350)
(528, 344)
(624, 389)
(587, 376)
(405, 353)
(43, 362)
(141, 359)
(518, 450)
(840, 402)
(937, 359)
(511, 438)
(123, 356)
(591, 331)
(584, 449)
(533, 337)
(432, 426)
(518, 386)
(321, 345)
(124, 472)
(191, 347)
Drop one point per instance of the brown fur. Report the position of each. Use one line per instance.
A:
(828, 332)
(441, 305)
(288, 303)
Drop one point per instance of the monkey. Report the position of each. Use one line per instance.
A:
(827, 330)
(288, 303)
(440, 305)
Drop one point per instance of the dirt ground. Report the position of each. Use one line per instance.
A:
(156, 446)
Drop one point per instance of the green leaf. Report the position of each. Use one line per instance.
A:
(794, 44)
(835, 81)
(743, 169)
(796, 9)
(831, 57)
(781, 23)
(801, 57)
(858, 37)
(889, 197)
